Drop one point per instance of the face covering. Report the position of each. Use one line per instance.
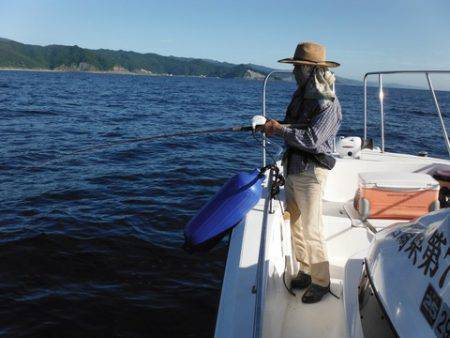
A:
(317, 82)
(301, 74)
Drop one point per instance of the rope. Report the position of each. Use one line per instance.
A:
(333, 294)
(284, 281)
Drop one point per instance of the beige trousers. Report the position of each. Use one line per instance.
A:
(304, 202)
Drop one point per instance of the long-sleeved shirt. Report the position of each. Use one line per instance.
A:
(323, 118)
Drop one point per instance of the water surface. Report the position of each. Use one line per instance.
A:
(90, 244)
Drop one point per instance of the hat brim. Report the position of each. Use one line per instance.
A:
(329, 64)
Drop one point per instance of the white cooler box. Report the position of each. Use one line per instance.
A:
(396, 195)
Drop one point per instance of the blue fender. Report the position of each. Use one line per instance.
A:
(224, 210)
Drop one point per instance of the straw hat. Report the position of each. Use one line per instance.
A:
(310, 53)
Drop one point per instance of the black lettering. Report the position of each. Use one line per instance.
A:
(442, 329)
(444, 274)
(431, 304)
(432, 253)
(415, 246)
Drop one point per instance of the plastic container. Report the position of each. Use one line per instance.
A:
(396, 195)
(224, 210)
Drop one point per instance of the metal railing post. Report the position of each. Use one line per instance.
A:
(381, 97)
(264, 114)
(438, 109)
(365, 107)
(264, 110)
(260, 282)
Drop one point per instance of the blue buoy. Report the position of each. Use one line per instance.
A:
(224, 211)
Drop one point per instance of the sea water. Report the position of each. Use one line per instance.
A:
(90, 245)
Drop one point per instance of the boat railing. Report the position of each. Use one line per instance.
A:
(264, 107)
(380, 74)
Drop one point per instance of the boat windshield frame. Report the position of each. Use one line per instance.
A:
(380, 74)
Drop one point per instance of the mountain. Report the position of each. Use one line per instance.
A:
(16, 55)
(73, 58)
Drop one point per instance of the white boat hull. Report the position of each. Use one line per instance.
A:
(257, 304)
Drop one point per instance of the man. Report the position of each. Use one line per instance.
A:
(307, 161)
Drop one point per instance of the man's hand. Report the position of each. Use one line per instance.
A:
(272, 127)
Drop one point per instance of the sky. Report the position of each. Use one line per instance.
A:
(361, 35)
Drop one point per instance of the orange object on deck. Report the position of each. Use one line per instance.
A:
(396, 195)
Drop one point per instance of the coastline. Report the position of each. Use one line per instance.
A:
(124, 72)
(117, 72)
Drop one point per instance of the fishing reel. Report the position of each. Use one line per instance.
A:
(258, 120)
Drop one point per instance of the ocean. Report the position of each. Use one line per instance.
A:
(90, 245)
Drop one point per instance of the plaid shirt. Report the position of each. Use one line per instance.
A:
(323, 118)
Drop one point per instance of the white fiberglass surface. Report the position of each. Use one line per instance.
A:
(327, 318)
(346, 235)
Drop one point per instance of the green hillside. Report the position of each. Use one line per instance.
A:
(15, 55)
(56, 57)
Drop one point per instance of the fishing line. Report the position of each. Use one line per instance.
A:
(155, 137)
(145, 139)
(166, 136)
(261, 141)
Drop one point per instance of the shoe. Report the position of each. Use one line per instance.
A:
(303, 280)
(315, 293)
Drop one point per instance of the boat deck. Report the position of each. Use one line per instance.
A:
(345, 236)
(254, 300)
(303, 318)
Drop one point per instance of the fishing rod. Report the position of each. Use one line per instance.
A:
(160, 136)
(257, 121)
